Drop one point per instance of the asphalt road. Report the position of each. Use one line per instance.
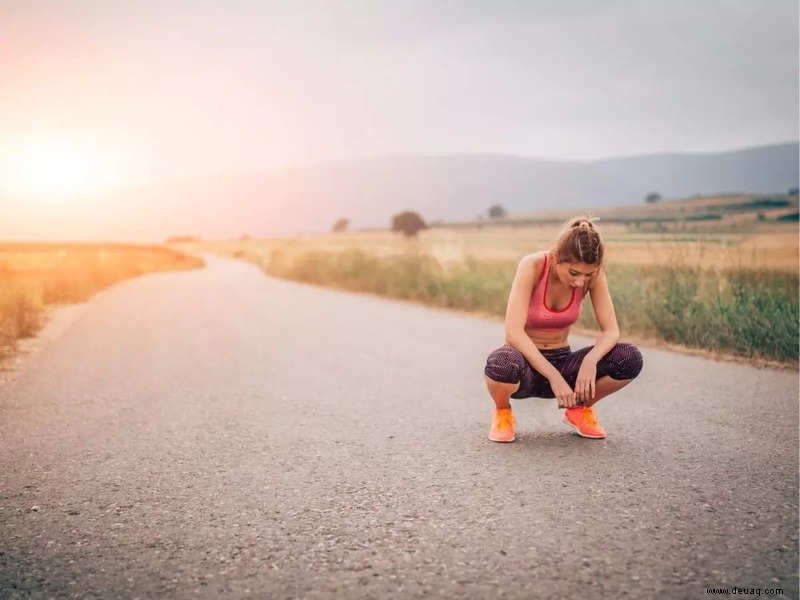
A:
(218, 433)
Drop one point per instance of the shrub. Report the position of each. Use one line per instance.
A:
(409, 223)
(497, 212)
(341, 225)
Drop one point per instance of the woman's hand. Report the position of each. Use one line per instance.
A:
(562, 391)
(585, 383)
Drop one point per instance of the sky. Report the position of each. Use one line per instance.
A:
(106, 94)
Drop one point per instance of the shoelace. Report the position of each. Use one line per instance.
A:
(505, 420)
(589, 416)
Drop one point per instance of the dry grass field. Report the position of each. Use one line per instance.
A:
(768, 246)
(36, 275)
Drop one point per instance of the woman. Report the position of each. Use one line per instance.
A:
(545, 300)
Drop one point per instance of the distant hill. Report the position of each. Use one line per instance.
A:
(369, 191)
(727, 212)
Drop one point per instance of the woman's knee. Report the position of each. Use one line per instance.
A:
(625, 361)
(505, 365)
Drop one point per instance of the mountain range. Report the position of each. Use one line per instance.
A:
(369, 191)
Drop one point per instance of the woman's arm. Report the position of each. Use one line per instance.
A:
(605, 316)
(585, 389)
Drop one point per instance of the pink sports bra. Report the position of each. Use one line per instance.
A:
(541, 317)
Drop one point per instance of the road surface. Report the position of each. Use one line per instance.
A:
(218, 433)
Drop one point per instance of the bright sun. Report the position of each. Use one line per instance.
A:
(54, 168)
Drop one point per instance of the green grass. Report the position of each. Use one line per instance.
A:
(470, 285)
(755, 204)
(748, 313)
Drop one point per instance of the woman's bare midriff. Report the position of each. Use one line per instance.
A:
(548, 339)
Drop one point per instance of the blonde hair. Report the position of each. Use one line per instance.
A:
(579, 241)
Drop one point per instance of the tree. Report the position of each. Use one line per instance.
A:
(497, 212)
(408, 222)
(341, 225)
(652, 197)
(793, 191)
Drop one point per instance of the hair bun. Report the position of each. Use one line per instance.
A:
(580, 240)
(583, 223)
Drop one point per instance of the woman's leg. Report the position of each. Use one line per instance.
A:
(615, 370)
(505, 371)
(503, 374)
(500, 391)
(606, 385)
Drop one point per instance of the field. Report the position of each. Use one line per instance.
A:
(772, 247)
(34, 276)
(716, 289)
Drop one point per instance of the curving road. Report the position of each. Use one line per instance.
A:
(218, 433)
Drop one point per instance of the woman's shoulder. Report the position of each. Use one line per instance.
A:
(533, 264)
(534, 258)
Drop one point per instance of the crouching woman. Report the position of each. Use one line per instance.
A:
(536, 361)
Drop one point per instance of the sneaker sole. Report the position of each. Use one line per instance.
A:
(591, 437)
(502, 441)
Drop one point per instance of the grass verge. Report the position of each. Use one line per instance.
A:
(747, 313)
(34, 276)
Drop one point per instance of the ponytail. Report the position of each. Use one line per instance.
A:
(579, 241)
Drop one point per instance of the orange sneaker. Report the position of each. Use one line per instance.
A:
(584, 420)
(502, 426)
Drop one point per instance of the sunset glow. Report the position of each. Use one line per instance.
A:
(55, 168)
(151, 119)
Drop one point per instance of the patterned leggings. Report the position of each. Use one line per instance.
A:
(508, 365)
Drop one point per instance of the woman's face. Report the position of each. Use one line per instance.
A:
(575, 275)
